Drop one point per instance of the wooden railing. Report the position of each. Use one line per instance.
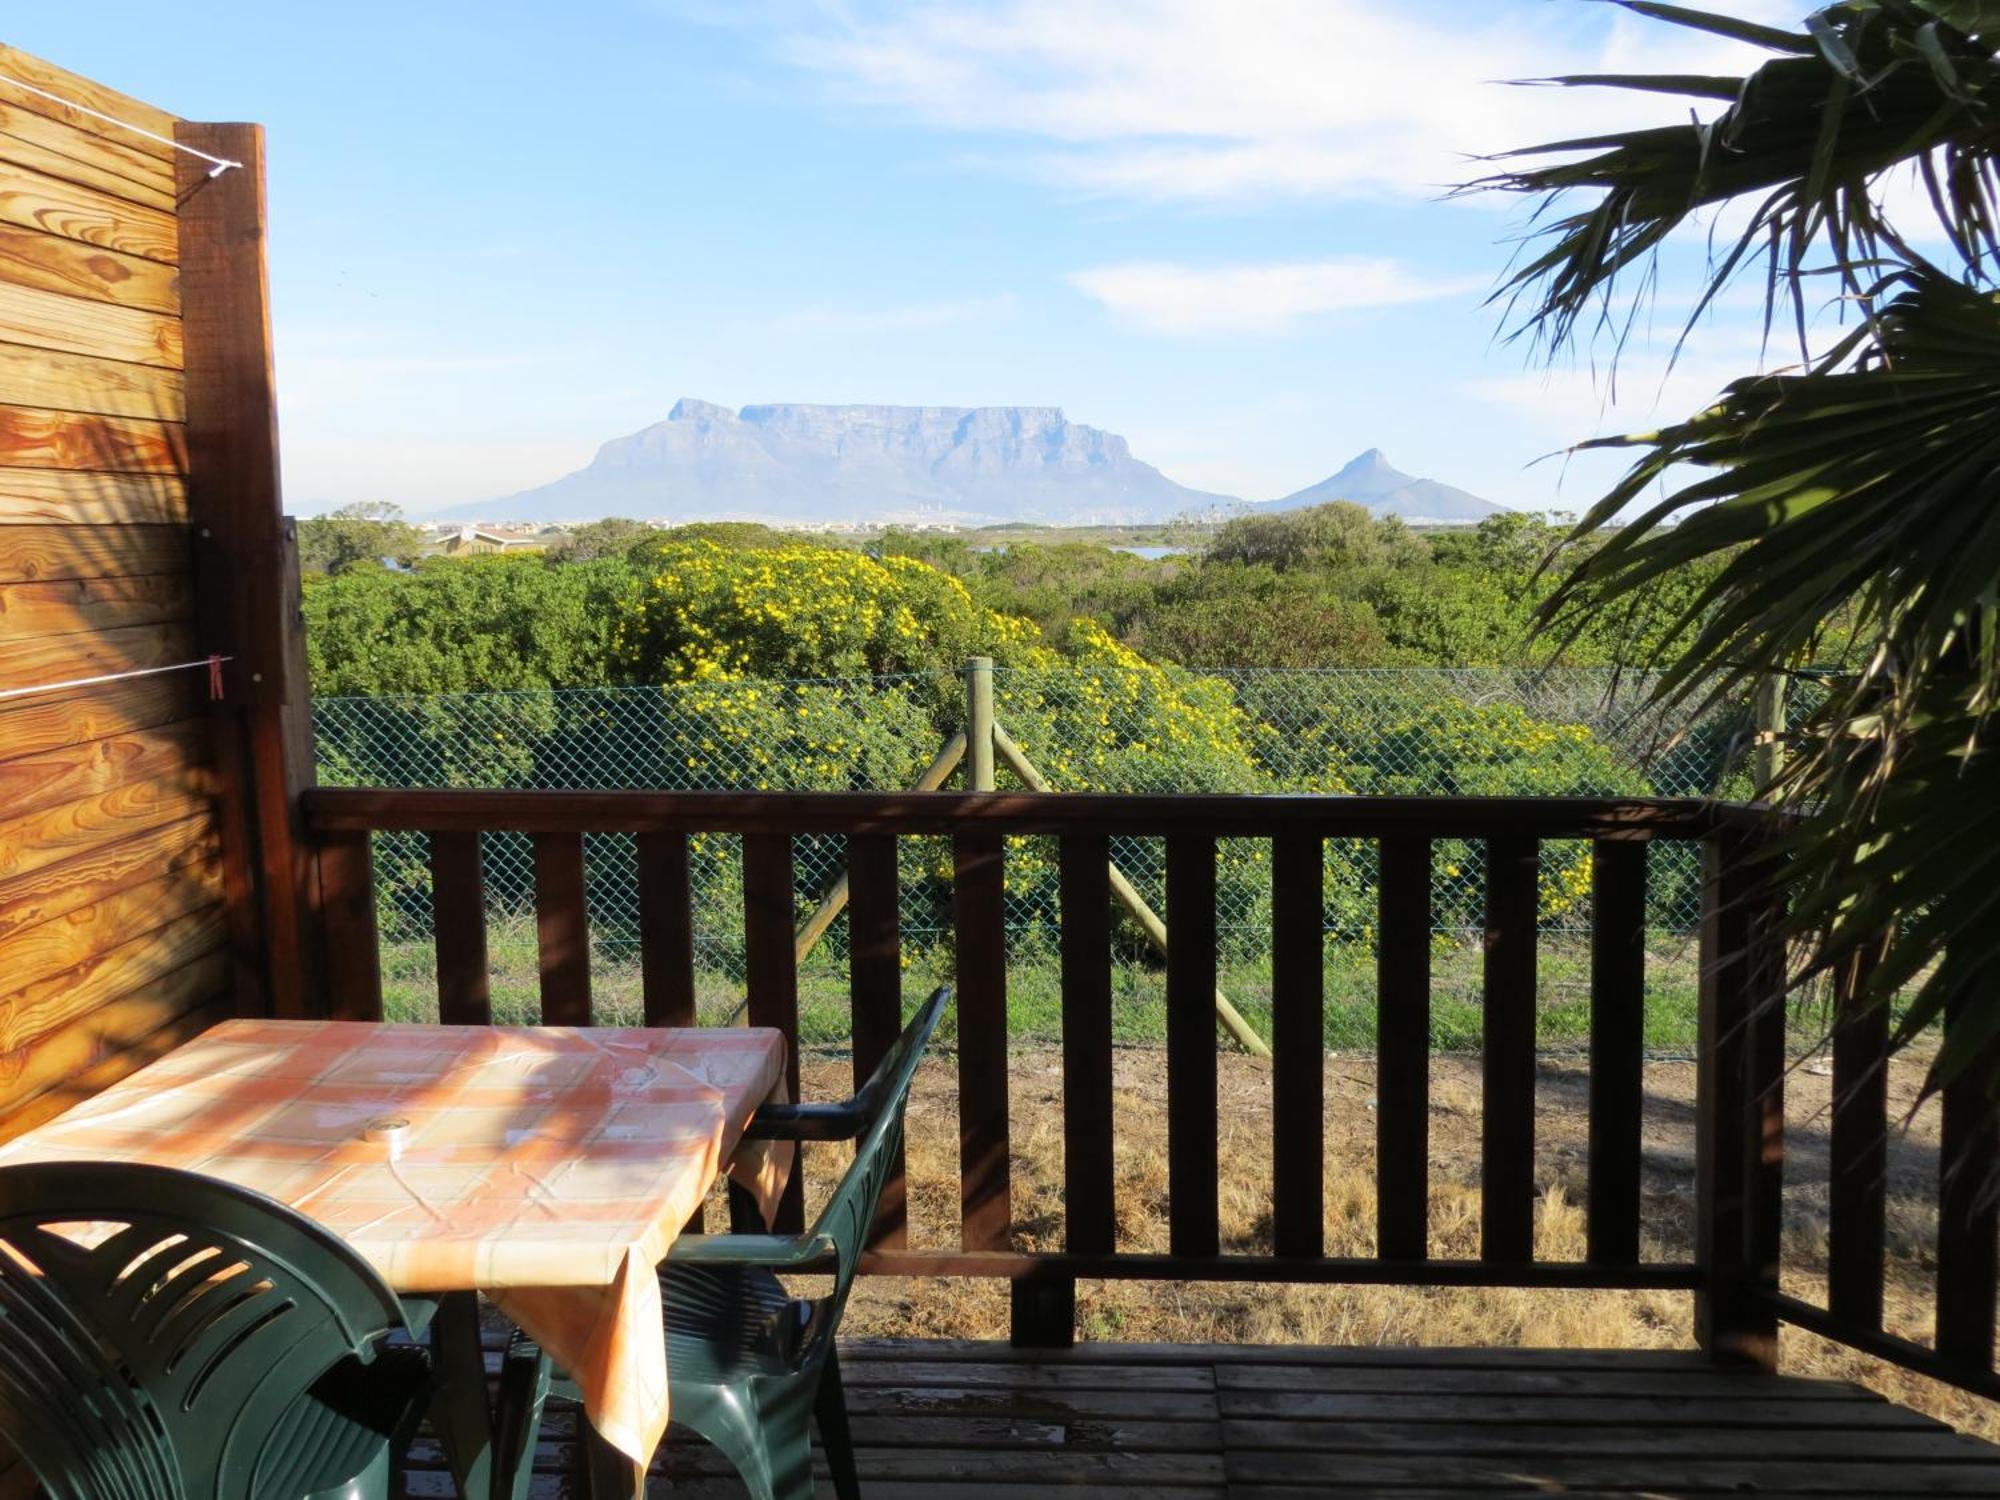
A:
(1739, 1107)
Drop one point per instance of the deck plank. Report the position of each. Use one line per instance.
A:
(965, 1421)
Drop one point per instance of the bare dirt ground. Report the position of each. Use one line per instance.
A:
(1370, 1315)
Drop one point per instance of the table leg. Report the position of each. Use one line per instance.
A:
(461, 1416)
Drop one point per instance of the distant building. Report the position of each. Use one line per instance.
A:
(473, 541)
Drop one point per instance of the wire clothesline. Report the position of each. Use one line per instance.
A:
(213, 663)
(220, 165)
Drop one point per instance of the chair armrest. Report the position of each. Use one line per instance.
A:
(806, 1122)
(778, 1252)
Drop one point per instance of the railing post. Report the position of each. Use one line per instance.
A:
(246, 567)
(1739, 1119)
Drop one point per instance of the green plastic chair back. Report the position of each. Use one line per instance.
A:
(849, 1214)
(156, 1362)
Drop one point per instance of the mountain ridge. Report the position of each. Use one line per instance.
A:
(791, 463)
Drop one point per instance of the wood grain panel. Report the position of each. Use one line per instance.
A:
(15, 63)
(43, 895)
(31, 438)
(50, 721)
(30, 956)
(55, 381)
(85, 158)
(44, 838)
(49, 320)
(198, 985)
(76, 604)
(29, 258)
(47, 1105)
(37, 552)
(29, 783)
(35, 200)
(64, 658)
(39, 1008)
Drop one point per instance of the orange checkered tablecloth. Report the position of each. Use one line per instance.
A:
(548, 1167)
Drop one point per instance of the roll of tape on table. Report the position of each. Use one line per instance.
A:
(391, 1132)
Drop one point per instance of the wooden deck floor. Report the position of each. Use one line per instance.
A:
(938, 1421)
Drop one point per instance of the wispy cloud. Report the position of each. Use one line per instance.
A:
(1181, 299)
(1195, 100)
(879, 320)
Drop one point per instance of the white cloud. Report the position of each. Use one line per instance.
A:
(1223, 99)
(1180, 299)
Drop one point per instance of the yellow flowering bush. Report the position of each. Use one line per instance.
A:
(708, 613)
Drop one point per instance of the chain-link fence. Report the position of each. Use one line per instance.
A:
(1463, 732)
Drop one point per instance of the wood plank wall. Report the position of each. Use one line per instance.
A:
(112, 930)
(114, 937)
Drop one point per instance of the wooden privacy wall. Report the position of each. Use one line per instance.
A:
(130, 862)
(112, 931)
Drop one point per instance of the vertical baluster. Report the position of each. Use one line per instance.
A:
(1730, 1324)
(1507, 1095)
(1857, 1186)
(771, 976)
(1090, 1216)
(347, 898)
(458, 920)
(562, 930)
(1298, 1046)
(875, 991)
(1192, 1190)
(979, 918)
(1403, 1050)
(1617, 1047)
(666, 928)
(1968, 1215)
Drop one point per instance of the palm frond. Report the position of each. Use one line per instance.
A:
(1864, 88)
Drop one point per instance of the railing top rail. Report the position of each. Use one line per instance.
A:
(333, 809)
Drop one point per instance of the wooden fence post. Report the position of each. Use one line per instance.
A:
(979, 724)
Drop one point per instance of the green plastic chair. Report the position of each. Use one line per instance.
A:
(214, 1344)
(749, 1366)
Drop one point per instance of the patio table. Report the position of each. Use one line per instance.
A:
(546, 1167)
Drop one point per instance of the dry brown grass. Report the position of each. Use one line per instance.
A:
(1371, 1315)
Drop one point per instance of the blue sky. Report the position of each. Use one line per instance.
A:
(505, 232)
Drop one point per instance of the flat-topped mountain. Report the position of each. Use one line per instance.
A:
(797, 463)
(1371, 480)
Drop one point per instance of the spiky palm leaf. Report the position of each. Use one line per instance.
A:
(1806, 140)
(1864, 488)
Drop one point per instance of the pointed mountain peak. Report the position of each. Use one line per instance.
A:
(1371, 480)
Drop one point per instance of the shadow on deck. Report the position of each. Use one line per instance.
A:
(955, 1421)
